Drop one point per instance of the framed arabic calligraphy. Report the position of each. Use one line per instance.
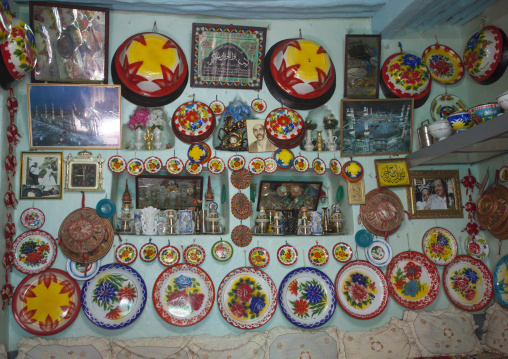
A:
(392, 172)
(228, 56)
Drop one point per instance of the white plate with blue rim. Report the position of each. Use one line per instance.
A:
(379, 253)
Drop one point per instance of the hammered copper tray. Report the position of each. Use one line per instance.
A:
(492, 210)
(82, 231)
(382, 212)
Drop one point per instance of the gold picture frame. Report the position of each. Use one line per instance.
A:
(356, 192)
(392, 172)
(84, 173)
(41, 175)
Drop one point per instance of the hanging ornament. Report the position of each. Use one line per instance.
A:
(469, 181)
(258, 105)
(217, 107)
(7, 293)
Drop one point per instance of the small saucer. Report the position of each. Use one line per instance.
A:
(364, 238)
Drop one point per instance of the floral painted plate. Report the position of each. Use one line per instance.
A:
(284, 158)
(287, 255)
(199, 153)
(115, 297)
(194, 254)
(193, 168)
(352, 171)
(153, 165)
(174, 166)
(361, 289)
(236, 162)
(169, 256)
(32, 218)
(216, 165)
(468, 283)
(257, 166)
(117, 164)
(501, 281)
(270, 165)
(477, 247)
(413, 280)
(241, 235)
(319, 166)
(222, 251)
(307, 297)
(241, 179)
(217, 107)
(247, 298)
(148, 252)
(193, 122)
(46, 303)
(301, 164)
(135, 167)
(444, 105)
(80, 271)
(126, 253)
(183, 295)
(259, 257)
(379, 253)
(440, 246)
(258, 105)
(445, 65)
(318, 255)
(283, 124)
(335, 167)
(241, 206)
(34, 251)
(342, 252)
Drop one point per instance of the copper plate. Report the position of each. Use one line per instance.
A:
(382, 212)
(492, 208)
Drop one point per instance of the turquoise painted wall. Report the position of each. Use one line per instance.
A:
(329, 33)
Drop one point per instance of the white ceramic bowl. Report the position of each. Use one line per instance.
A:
(440, 129)
(502, 100)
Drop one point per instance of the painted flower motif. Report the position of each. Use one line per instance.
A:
(376, 346)
(237, 310)
(178, 299)
(313, 294)
(183, 282)
(442, 240)
(43, 248)
(301, 307)
(448, 333)
(461, 282)
(149, 252)
(411, 77)
(357, 292)
(28, 247)
(189, 117)
(471, 275)
(196, 300)
(127, 293)
(105, 292)
(471, 44)
(412, 61)
(471, 60)
(359, 278)
(293, 287)
(413, 271)
(33, 257)
(244, 292)
(395, 67)
(114, 314)
(288, 256)
(410, 289)
(440, 66)
(257, 304)
(400, 283)
(437, 248)
(470, 293)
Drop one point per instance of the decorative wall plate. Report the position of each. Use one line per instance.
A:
(247, 298)
(468, 283)
(352, 171)
(241, 206)
(174, 166)
(270, 165)
(335, 166)
(46, 303)
(216, 165)
(222, 251)
(32, 218)
(501, 280)
(115, 297)
(193, 168)
(241, 235)
(194, 254)
(241, 179)
(364, 238)
(413, 280)
(319, 166)
(439, 245)
(217, 107)
(503, 174)
(477, 247)
(117, 164)
(283, 124)
(34, 251)
(256, 166)
(445, 65)
(148, 252)
(259, 257)
(444, 105)
(287, 255)
(301, 164)
(126, 253)
(153, 165)
(135, 167)
(80, 271)
(342, 252)
(307, 297)
(199, 153)
(379, 253)
(193, 122)
(105, 208)
(318, 255)
(361, 289)
(284, 158)
(258, 105)
(183, 295)
(236, 162)
(169, 255)
(82, 231)
(382, 213)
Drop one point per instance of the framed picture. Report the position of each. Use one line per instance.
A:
(361, 70)
(74, 116)
(41, 175)
(356, 192)
(73, 43)
(169, 192)
(392, 172)
(434, 194)
(228, 56)
(376, 127)
(256, 137)
(84, 172)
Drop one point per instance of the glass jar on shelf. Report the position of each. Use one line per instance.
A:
(304, 223)
(336, 220)
(261, 222)
(213, 220)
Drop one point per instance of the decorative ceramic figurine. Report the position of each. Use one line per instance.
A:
(186, 224)
(316, 223)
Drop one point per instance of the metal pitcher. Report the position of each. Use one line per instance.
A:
(424, 137)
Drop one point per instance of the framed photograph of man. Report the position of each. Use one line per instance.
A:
(434, 194)
(41, 175)
(256, 137)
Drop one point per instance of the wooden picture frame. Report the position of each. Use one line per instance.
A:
(84, 173)
(392, 172)
(41, 175)
(376, 127)
(434, 194)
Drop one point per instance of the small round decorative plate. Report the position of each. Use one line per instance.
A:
(503, 174)
(270, 165)
(135, 167)
(126, 253)
(352, 171)
(222, 251)
(259, 257)
(241, 179)
(199, 153)
(174, 165)
(105, 208)
(46, 303)
(284, 124)
(34, 251)
(236, 162)
(364, 238)
(379, 253)
(477, 247)
(318, 255)
(169, 256)
(80, 271)
(439, 245)
(193, 168)
(115, 297)
(444, 105)
(301, 164)
(361, 289)
(468, 283)
(413, 280)
(193, 122)
(183, 295)
(501, 280)
(258, 105)
(153, 165)
(307, 297)
(32, 218)
(256, 166)
(216, 165)
(342, 252)
(117, 164)
(241, 235)
(445, 65)
(284, 158)
(148, 252)
(319, 166)
(335, 167)
(194, 254)
(217, 107)
(247, 298)
(241, 206)
(287, 255)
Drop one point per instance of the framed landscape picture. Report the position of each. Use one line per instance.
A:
(41, 175)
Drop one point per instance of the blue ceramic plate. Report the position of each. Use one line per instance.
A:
(364, 238)
(106, 208)
(501, 281)
(284, 158)
(352, 171)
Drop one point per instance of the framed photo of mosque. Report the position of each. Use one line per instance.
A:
(376, 127)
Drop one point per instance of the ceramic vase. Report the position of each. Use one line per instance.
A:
(309, 146)
(331, 141)
(139, 139)
(157, 138)
(149, 218)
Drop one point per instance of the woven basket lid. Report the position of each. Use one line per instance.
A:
(82, 230)
(382, 213)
